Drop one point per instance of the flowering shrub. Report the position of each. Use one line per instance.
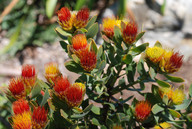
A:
(104, 71)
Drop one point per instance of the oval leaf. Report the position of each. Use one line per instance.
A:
(62, 34)
(50, 7)
(91, 21)
(174, 79)
(174, 113)
(92, 31)
(162, 83)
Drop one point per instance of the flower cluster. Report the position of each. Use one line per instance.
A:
(128, 29)
(68, 20)
(167, 60)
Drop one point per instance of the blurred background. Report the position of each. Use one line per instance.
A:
(27, 33)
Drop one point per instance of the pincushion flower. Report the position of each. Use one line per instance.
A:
(39, 117)
(81, 18)
(79, 43)
(88, 60)
(142, 110)
(60, 86)
(52, 72)
(20, 106)
(29, 76)
(65, 18)
(163, 125)
(17, 88)
(74, 95)
(129, 33)
(172, 63)
(108, 26)
(154, 54)
(22, 121)
(166, 91)
(178, 96)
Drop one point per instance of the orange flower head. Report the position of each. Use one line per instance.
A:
(117, 127)
(29, 75)
(65, 18)
(39, 117)
(142, 110)
(88, 60)
(74, 95)
(22, 121)
(60, 86)
(52, 72)
(20, 106)
(82, 18)
(108, 26)
(173, 64)
(129, 33)
(17, 88)
(79, 42)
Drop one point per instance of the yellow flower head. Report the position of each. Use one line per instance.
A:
(22, 121)
(178, 96)
(166, 91)
(163, 125)
(154, 54)
(108, 26)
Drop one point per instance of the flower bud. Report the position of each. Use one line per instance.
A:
(22, 121)
(52, 72)
(163, 125)
(79, 43)
(39, 117)
(129, 33)
(88, 60)
(17, 88)
(20, 106)
(178, 96)
(74, 95)
(154, 54)
(108, 26)
(60, 86)
(142, 110)
(65, 18)
(29, 76)
(81, 18)
(171, 63)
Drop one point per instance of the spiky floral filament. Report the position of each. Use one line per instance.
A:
(142, 110)
(20, 106)
(17, 88)
(79, 42)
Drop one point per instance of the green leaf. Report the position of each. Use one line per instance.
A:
(95, 122)
(158, 44)
(91, 21)
(63, 114)
(35, 91)
(111, 105)
(152, 73)
(162, 83)
(139, 49)
(174, 79)
(96, 110)
(139, 36)
(109, 123)
(174, 113)
(88, 108)
(92, 31)
(50, 7)
(163, 7)
(102, 65)
(64, 45)
(78, 116)
(165, 99)
(79, 4)
(73, 67)
(99, 52)
(117, 34)
(62, 34)
(103, 127)
(141, 68)
(45, 97)
(183, 106)
(190, 90)
(156, 109)
(93, 46)
(127, 58)
(76, 59)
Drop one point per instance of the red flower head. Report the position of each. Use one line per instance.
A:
(52, 72)
(82, 18)
(88, 60)
(79, 42)
(174, 63)
(74, 95)
(142, 110)
(60, 86)
(29, 75)
(17, 88)
(65, 18)
(22, 121)
(39, 117)
(20, 106)
(129, 33)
